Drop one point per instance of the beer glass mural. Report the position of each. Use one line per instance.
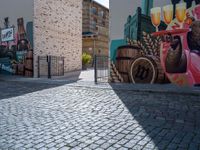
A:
(162, 44)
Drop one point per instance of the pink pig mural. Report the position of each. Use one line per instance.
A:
(180, 49)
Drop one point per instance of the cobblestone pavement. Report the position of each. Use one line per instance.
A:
(48, 116)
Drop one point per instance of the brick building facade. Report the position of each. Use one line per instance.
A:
(95, 28)
(57, 31)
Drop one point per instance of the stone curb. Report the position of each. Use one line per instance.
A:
(150, 90)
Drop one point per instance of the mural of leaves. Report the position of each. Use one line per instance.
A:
(149, 45)
(115, 76)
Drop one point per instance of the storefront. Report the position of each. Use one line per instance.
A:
(155, 41)
(36, 29)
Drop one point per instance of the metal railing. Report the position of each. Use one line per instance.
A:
(101, 68)
(49, 66)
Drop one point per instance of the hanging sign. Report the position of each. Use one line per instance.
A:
(7, 34)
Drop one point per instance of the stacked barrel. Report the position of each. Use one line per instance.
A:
(123, 60)
(29, 64)
(135, 67)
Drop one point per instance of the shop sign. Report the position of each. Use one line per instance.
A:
(7, 34)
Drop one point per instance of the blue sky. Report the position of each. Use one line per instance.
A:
(104, 2)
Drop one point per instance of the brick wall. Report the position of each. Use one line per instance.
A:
(58, 31)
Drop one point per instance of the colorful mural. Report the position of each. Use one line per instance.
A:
(180, 46)
(163, 44)
(16, 54)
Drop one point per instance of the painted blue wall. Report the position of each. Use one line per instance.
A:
(113, 47)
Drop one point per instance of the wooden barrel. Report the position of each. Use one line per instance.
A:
(2, 51)
(29, 64)
(20, 69)
(15, 68)
(147, 69)
(123, 58)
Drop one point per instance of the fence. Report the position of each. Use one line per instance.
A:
(49, 66)
(101, 68)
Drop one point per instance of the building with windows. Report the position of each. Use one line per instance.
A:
(95, 28)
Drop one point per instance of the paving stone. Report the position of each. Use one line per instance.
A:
(131, 143)
(105, 145)
(50, 145)
(101, 141)
(93, 146)
(64, 148)
(40, 145)
(73, 116)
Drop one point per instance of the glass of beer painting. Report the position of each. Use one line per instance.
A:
(168, 14)
(156, 17)
(181, 13)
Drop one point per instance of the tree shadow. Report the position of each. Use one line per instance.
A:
(168, 116)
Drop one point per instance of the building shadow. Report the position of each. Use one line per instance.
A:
(13, 88)
(169, 118)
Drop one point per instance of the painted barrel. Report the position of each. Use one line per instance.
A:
(20, 69)
(123, 58)
(15, 68)
(2, 50)
(29, 64)
(147, 69)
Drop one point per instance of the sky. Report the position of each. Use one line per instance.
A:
(104, 2)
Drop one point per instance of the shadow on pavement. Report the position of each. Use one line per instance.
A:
(9, 89)
(169, 118)
(12, 86)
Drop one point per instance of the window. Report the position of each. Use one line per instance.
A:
(94, 23)
(94, 10)
(101, 13)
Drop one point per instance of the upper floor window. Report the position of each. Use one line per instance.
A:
(94, 10)
(94, 23)
(101, 13)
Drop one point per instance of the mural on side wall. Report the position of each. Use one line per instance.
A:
(161, 45)
(16, 53)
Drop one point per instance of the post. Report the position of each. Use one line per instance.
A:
(95, 69)
(63, 66)
(38, 66)
(49, 66)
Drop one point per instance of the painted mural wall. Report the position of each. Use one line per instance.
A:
(16, 40)
(155, 41)
(33, 29)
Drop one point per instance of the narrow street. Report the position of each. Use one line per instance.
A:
(82, 115)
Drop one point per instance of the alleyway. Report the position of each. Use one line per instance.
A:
(80, 115)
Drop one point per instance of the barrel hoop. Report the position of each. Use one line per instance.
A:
(29, 58)
(129, 46)
(151, 62)
(124, 73)
(124, 58)
(28, 69)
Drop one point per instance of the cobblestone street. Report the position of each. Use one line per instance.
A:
(73, 116)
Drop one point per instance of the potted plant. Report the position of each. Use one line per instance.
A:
(86, 59)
